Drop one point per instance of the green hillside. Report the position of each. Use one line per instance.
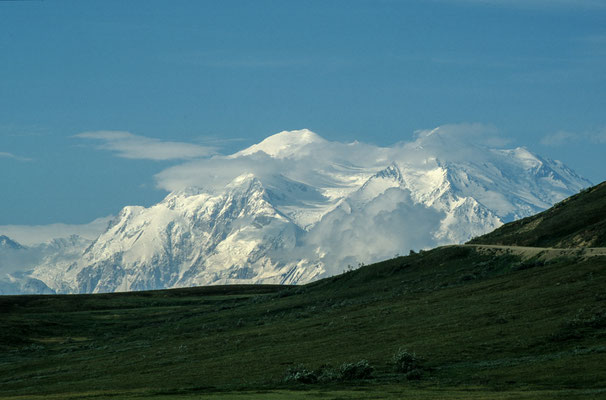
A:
(483, 324)
(579, 221)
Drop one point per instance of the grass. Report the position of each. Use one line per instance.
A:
(395, 392)
(483, 327)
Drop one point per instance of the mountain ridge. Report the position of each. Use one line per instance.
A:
(301, 208)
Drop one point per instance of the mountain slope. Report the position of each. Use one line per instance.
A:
(578, 221)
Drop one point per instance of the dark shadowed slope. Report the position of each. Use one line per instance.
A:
(578, 221)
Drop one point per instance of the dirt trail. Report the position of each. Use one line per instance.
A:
(546, 253)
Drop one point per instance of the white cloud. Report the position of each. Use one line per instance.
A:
(12, 156)
(214, 173)
(561, 138)
(472, 133)
(319, 161)
(390, 223)
(128, 145)
(29, 235)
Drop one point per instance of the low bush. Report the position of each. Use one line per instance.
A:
(353, 371)
(326, 373)
(300, 374)
(406, 362)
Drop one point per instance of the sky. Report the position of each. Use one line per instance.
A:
(98, 99)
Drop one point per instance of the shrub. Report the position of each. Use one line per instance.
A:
(299, 373)
(326, 373)
(352, 371)
(593, 318)
(406, 362)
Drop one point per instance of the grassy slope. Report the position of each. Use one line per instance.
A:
(487, 325)
(478, 321)
(579, 221)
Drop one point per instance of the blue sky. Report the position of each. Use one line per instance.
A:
(98, 97)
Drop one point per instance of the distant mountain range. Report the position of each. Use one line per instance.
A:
(295, 208)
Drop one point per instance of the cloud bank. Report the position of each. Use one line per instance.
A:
(325, 163)
(391, 223)
(29, 235)
(128, 145)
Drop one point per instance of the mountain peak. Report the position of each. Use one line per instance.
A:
(527, 159)
(8, 243)
(392, 171)
(284, 144)
(247, 180)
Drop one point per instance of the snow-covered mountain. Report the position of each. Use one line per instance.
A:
(296, 207)
(18, 262)
(7, 243)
